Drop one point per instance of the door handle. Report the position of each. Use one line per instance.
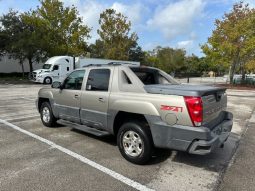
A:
(76, 96)
(101, 99)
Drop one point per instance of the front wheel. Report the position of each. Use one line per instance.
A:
(47, 80)
(135, 142)
(47, 116)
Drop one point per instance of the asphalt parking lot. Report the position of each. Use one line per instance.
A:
(33, 157)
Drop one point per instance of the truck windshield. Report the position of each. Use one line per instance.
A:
(151, 76)
(46, 66)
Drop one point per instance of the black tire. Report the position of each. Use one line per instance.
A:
(51, 121)
(141, 129)
(47, 80)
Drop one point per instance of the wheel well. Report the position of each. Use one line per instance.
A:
(123, 117)
(41, 100)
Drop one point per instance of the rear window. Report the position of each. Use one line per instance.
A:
(146, 77)
(150, 76)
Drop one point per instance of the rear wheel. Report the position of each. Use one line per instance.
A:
(135, 142)
(47, 116)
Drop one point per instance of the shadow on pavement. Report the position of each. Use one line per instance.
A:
(110, 139)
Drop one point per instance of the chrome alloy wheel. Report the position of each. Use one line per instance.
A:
(46, 114)
(132, 143)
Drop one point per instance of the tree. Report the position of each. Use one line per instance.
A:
(50, 30)
(232, 42)
(64, 31)
(97, 49)
(150, 58)
(170, 60)
(136, 54)
(21, 40)
(250, 66)
(115, 34)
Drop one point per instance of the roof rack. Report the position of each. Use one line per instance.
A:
(92, 65)
(110, 64)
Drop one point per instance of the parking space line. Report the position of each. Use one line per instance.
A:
(10, 115)
(30, 99)
(25, 104)
(35, 117)
(81, 158)
(21, 118)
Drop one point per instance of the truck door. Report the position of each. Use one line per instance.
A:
(94, 100)
(55, 73)
(64, 70)
(67, 100)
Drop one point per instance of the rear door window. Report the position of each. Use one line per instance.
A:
(98, 80)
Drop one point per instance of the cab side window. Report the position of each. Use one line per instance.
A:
(74, 80)
(55, 67)
(98, 80)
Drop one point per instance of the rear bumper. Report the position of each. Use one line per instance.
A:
(219, 135)
(195, 140)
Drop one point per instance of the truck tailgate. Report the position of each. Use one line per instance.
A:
(214, 99)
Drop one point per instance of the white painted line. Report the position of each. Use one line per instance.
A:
(28, 104)
(252, 119)
(30, 99)
(83, 159)
(21, 95)
(10, 115)
(20, 118)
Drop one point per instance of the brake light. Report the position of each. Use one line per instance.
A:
(195, 108)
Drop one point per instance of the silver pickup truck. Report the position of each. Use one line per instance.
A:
(142, 106)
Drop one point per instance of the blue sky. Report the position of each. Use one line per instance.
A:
(175, 23)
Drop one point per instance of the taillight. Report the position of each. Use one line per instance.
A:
(195, 108)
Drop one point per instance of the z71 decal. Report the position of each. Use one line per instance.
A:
(171, 108)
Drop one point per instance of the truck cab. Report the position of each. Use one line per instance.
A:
(54, 69)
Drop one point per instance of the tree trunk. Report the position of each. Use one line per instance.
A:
(233, 67)
(30, 64)
(22, 67)
(243, 74)
(232, 72)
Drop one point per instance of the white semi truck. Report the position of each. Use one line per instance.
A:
(56, 68)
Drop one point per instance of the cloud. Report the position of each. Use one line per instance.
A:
(185, 44)
(250, 2)
(133, 12)
(90, 11)
(176, 18)
(150, 45)
(70, 2)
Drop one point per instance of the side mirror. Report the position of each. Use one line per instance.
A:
(56, 85)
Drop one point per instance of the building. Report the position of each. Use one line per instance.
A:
(8, 65)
